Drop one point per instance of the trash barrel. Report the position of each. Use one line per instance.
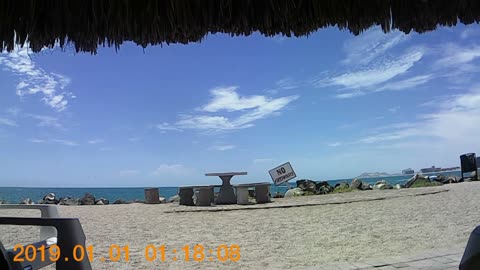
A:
(471, 255)
(152, 195)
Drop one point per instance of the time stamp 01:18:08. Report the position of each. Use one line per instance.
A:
(116, 253)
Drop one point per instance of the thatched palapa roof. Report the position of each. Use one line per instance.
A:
(89, 23)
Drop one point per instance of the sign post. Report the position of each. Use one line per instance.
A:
(282, 174)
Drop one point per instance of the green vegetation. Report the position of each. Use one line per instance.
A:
(343, 189)
(425, 183)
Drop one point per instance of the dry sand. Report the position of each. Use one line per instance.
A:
(393, 222)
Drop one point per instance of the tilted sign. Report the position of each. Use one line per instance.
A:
(282, 173)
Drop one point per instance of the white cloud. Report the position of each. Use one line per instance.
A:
(65, 142)
(13, 111)
(262, 160)
(394, 109)
(35, 80)
(407, 83)
(371, 44)
(134, 139)
(171, 170)
(34, 140)
(335, 144)
(7, 122)
(128, 172)
(95, 141)
(456, 55)
(450, 127)
(226, 98)
(55, 141)
(371, 76)
(224, 147)
(47, 121)
(251, 109)
(166, 127)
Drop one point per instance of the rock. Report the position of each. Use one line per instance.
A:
(366, 186)
(120, 201)
(102, 201)
(26, 201)
(49, 199)
(69, 201)
(138, 201)
(4, 202)
(356, 184)
(174, 198)
(162, 199)
(87, 199)
(382, 184)
(416, 178)
(325, 189)
(294, 192)
(341, 187)
(398, 186)
(307, 185)
(451, 180)
(278, 195)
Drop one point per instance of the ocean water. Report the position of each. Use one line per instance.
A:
(17, 194)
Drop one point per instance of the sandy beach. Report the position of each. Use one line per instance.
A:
(331, 228)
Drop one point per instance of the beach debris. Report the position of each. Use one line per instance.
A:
(49, 199)
(307, 185)
(174, 198)
(323, 187)
(356, 184)
(120, 201)
(102, 201)
(69, 201)
(366, 186)
(294, 192)
(278, 195)
(26, 201)
(382, 184)
(87, 199)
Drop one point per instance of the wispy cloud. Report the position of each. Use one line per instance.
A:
(128, 172)
(453, 55)
(171, 170)
(47, 121)
(452, 125)
(394, 109)
(370, 45)
(35, 80)
(335, 144)
(7, 122)
(262, 160)
(54, 141)
(227, 100)
(372, 76)
(223, 147)
(95, 141)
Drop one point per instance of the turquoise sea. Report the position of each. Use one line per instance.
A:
(17, 194)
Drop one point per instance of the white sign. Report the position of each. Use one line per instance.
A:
(282, 173)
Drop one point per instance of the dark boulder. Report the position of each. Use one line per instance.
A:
(49, 199)
(418, 179)
(102, 201)
(366, 186)
(87, 199)
(324, 187)
(278, 195)
(69, 201)
(307, 185)
(26, 201)
(356, 184)
(382, 184)
(451, 180)
(120, 201)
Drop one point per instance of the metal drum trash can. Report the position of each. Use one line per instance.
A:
(186, 196)
(242, 195)
(152, 195)
(471, 255)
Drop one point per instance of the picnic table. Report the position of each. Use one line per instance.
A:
(226, 194)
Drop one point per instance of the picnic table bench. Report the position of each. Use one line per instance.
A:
(262, 191)
(205, 195)
(226, 194)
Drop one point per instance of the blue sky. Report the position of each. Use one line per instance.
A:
(332, 104)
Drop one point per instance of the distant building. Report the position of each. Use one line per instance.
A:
(408, 171)
(430, 170)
